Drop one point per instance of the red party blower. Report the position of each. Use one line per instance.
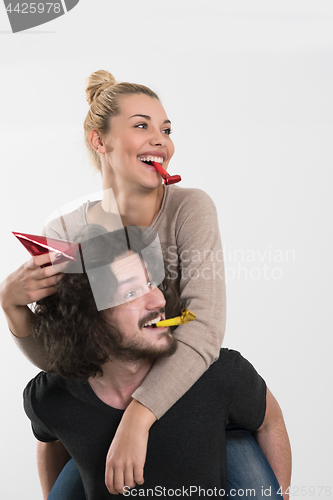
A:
(168, 179)
(38, 245)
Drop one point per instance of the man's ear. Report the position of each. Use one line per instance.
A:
(96, 141)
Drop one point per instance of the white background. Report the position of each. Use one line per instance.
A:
(248, 88)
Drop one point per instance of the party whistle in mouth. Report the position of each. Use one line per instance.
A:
(168, 179)
(186, 317)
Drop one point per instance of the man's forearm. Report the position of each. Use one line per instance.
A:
(276, 447)
(51, 459)
(273, 440)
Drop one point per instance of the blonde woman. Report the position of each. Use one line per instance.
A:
(125, 128)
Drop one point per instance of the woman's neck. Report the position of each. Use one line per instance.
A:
(137, 206)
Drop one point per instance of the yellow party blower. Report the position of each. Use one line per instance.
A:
(186, 317)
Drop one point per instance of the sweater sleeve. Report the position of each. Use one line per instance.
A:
(196, 264)
(33, 350)
(61, 228)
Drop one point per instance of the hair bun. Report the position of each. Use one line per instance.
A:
(97, 82)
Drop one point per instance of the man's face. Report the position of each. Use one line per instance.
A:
(141, 305)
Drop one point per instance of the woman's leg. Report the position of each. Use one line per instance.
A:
(69, 485)
(249, 473)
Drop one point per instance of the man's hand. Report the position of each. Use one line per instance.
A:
(28, 284)
(127, 454)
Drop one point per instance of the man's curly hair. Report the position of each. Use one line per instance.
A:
(77, 337)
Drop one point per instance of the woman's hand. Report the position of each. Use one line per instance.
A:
(127, 454)
(28, 284)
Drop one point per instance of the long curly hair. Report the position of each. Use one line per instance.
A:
(77, 337)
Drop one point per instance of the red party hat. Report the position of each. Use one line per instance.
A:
(38, 245)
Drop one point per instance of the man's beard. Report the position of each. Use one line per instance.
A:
(138, 348)
(135, 350)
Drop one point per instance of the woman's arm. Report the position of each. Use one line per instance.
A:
(31, 283)
(26, 285)
(192, 250)
(127, 454)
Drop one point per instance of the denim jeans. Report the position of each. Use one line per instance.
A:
(249, 473)
(69, 485)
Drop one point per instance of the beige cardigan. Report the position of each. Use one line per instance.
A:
(187, 226)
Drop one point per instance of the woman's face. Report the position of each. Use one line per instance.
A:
(141, 131)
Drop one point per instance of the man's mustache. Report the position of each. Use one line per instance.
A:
(151, 316)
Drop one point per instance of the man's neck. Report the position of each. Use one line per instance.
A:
(120, 379)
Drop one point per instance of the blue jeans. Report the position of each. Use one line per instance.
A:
(248, 469)
(69, 485)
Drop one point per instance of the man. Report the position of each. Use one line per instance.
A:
(101, 357)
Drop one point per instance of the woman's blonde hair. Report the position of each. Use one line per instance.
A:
(103, 95)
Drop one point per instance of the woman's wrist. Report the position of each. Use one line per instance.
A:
(20, 319)
(139, 416)
(5, 300)
(8, 296)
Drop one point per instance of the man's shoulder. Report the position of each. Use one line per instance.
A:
(49, 389)
(232, 360)
(217, 387)
(228, 359)
(228, 368)
(223, 374)
(43, 384)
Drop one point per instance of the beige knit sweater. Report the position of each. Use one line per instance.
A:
(188, 231)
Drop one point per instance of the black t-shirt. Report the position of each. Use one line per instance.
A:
(186, 454)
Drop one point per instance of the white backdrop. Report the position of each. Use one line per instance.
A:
(248, 88)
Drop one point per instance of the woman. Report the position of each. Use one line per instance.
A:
(127, 127)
